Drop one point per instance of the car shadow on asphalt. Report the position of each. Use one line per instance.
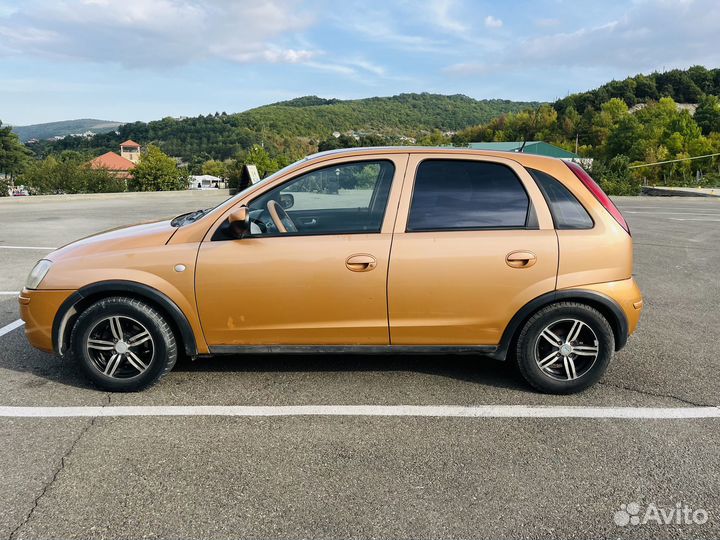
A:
(44, 368)
(467, 368)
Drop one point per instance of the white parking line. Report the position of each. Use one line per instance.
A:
(440, 411)
(675, 213)
(10, 327)
(9, 293)
(692, 219)
(27, 247)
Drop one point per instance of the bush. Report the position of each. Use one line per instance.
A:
(68, 174)
(615, 177)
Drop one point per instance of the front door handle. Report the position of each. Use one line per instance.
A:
(360, 262)
(520, 259)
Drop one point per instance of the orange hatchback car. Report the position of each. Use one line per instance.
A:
(400, 250)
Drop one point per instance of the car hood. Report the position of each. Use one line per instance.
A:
(150, 234)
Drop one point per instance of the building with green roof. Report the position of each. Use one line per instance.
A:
(539, 148)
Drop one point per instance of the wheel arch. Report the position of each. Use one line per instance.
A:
(608, 307)
(82, 298)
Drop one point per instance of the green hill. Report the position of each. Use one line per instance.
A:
(290, 125)
(683, 86)
(65, 127)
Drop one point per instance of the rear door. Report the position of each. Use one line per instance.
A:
(474, 242)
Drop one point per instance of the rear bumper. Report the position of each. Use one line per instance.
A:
(626, 295)
(38, 309)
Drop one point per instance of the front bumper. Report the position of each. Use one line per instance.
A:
(38, 309)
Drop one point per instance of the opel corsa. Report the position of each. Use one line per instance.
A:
(407, 250)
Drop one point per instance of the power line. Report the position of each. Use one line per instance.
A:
(672, 161)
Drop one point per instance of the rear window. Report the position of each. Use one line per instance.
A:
(455, 194)
(566, 210)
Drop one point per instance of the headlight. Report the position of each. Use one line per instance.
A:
(37, 274)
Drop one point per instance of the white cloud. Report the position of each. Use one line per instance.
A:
(650, 35)
(157, 32)
(376, 27)
(439, 13)
(493, 22)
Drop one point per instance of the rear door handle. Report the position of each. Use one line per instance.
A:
(360, 262)
(520, 259)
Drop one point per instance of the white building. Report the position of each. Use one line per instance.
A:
(205, 181)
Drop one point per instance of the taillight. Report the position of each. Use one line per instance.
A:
(599, 194)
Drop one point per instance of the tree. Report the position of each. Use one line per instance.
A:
(214, 167)
(436, 138)
(259, 157)
(707, 114)
(157, 171)
(14, 156)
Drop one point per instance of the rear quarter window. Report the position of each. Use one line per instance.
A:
(566, 210)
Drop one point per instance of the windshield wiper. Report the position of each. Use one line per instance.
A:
(188, 217)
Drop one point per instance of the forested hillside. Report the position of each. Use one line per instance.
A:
(620, 125)
(290, 126)
(62, 128)
(683, 86)
(602, 124)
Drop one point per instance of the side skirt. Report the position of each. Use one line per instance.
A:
(353, 349)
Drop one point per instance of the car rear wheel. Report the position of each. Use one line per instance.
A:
(565, 348)
(123, 344)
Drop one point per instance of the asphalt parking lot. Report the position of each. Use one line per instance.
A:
(334, 476)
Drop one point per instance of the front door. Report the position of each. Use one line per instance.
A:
(313, 271)
(474, 242)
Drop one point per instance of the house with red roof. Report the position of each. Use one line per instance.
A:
(122, 164)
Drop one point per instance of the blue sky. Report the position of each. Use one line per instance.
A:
(131, 60)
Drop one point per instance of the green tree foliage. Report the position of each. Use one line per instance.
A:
(615, 177)
(14, 156)
(215, 168)
(156, 171)
(707, 114)
(682, 86)
(435, 138)
(659, 131)
(259, 157)
(68, 173)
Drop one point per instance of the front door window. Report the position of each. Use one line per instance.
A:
(345, 198)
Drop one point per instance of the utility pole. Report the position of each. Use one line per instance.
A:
(577, 137)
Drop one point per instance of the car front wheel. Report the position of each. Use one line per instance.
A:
(565, 348)
(123, 344)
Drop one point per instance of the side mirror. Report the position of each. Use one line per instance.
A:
(287, 200)
(239, 222)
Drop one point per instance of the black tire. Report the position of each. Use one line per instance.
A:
(135, 315)
(556, 377)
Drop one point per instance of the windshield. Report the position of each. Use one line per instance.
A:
(191, 217)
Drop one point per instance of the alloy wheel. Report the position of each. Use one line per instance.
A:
(120, 347)
(566, 349)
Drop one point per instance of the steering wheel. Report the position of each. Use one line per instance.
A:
(280, 217)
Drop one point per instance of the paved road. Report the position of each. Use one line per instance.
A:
(359, 476)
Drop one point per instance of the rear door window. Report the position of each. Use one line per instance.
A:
(454, 194)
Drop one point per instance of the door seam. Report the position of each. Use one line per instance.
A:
(392, 239)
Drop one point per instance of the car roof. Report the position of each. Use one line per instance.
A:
(527, 160)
